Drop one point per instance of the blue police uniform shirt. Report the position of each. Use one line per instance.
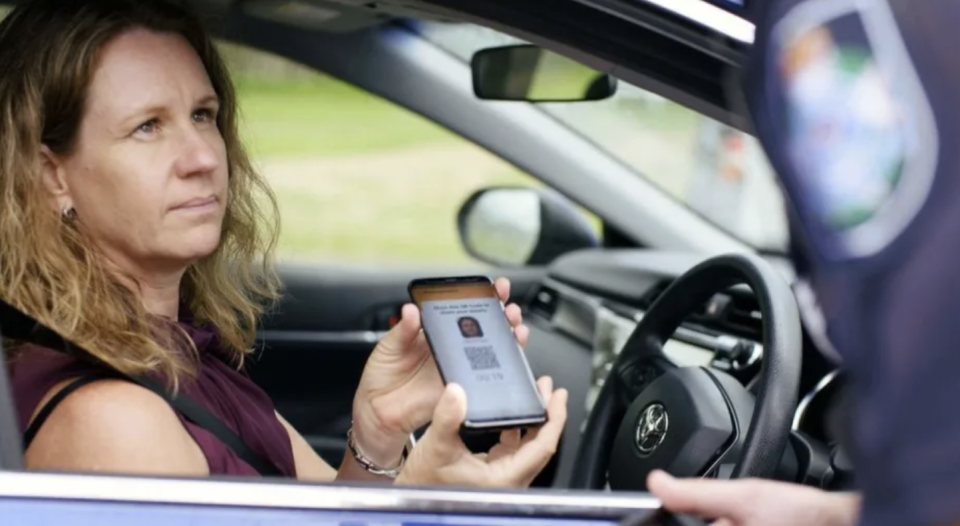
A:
(857, 103)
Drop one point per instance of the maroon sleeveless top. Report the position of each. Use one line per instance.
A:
(228, 394)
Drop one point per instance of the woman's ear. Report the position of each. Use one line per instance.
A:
(54, 180)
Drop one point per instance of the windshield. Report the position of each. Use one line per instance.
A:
(717, 171)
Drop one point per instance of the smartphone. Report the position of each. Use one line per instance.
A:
(473, 344)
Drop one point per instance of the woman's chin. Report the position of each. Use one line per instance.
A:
(198, 244)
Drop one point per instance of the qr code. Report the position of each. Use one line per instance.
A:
(481, 357)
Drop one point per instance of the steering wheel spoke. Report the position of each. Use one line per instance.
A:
(635, 376)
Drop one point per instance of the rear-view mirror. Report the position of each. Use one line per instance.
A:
(529, 73)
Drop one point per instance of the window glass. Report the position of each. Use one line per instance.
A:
(717, 171)
(359, 179)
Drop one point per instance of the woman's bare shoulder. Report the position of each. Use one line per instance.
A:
(115, 426)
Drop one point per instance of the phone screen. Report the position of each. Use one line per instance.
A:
(474, 347)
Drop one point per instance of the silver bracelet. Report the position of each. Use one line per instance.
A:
(369, 466)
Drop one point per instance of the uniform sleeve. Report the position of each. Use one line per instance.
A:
(857, 104)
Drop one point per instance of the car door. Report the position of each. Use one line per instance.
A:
(368, 195)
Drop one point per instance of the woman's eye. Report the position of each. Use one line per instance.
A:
(148, 127)
(204, 115)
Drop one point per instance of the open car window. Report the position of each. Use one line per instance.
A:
(719, 172)
(359, 180)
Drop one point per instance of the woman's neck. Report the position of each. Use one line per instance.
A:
(160, 293)
(161, 299)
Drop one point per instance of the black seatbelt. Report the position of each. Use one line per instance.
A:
(16, 325)
(55, 400)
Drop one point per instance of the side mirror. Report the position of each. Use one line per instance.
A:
(516, 226)
(529, 73)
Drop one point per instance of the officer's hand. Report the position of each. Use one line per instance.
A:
(754, 502)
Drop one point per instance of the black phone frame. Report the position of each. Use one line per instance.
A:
(486, 425)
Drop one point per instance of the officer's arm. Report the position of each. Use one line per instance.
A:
(856, 103)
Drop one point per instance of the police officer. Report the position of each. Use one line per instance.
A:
(855, 102)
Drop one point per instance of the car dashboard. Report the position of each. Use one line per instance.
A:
(592, 300)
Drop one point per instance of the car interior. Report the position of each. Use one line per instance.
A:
(631, 323)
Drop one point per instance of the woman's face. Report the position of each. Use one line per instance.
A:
(469, 328)
(148, 175)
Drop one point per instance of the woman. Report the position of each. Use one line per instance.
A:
(470, 327)
(134, 224)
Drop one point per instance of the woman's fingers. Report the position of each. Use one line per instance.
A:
(522, 334)
(402, 336)
(539, 445)
(514, 314)
(441, 457)
(515, 317)
(545, 386)
(449, 414)
(503, 288)
(510, 439)
(514, 438)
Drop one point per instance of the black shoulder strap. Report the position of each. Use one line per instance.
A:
(197, 414)
(16, 325)
(54, 401)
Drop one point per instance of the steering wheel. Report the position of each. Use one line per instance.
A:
(695, 421)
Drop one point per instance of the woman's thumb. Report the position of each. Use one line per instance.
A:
(450, 413)
(402, 335)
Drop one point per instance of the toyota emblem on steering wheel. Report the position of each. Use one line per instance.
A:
(651, 428)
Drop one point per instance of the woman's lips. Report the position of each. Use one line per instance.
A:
(199, 204)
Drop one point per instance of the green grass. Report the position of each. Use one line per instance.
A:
(376, 226)
(326, 117)
(360, 180)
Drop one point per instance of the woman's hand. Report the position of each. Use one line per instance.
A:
(401, 385)
(441, 457)
(754, 502)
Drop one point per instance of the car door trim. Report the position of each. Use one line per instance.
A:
(321, 337)
(288, 494)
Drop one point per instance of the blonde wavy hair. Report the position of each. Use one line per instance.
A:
(48, 55)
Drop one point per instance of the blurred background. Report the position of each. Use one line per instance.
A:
(359, 180)
(362, 181)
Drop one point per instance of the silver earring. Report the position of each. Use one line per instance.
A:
(68, 214)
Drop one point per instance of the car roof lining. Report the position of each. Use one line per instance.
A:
(643, 52)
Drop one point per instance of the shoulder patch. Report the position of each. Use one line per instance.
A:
(860, 132)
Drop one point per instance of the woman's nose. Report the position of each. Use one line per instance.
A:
(197, 153)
